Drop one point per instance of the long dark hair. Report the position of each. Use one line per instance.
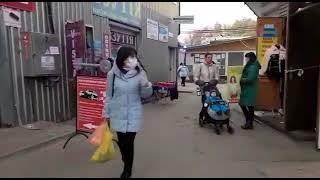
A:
(123, 53)
(233, 77)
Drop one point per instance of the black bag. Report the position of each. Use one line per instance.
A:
(174, 93)
(275, 70)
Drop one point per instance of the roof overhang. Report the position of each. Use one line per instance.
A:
(270, 9)
(220, 42)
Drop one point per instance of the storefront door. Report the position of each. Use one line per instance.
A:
(121, 37)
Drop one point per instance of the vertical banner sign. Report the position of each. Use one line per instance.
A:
(234, 75)
(75, 45)
(107, 44)
(90, 102)
(269, 32)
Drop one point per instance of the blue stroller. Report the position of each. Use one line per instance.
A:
(214, 109)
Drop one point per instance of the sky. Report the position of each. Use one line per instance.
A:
(208, 13)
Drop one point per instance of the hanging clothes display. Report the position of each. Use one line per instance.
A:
(274, 67)
(274, 58)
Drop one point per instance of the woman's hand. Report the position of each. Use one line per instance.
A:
(107, 120)
(144, 82)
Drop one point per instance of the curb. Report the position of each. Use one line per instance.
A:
(283, 131)
(34, 146)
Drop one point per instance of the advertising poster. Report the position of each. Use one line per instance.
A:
(152, 29)
(234, 75)
(269, 26)
(90, 102)
(262, 45)
(97, 50)
(75, 46)
(220, 59)
(163, 33)
(269, 32)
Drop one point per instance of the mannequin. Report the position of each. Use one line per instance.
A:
(281, 51)
(275, 49)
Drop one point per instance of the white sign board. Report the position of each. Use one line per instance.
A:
(12, 17)
(152, 29)
(163, 33)
(47, 62)
(183, 19)
(54, 50)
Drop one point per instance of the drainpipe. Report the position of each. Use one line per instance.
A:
(185, 56)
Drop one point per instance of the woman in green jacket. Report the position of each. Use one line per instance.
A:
(249, 86)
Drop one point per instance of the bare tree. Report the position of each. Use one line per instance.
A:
(243, 27)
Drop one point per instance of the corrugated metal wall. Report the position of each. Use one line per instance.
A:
(156, 54)
(26, 100)
(34, 99)
(283, 9)
(275, 9)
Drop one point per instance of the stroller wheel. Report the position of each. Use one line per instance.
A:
(230, 130)
(217, 130)
(201, 122)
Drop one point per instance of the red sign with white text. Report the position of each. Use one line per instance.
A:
(25, 6)
(90, 102)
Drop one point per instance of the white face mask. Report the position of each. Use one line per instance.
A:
(131, 63)
(246, 59)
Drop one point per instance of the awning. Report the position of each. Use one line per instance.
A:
(269, 9)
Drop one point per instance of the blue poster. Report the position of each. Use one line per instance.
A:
(163, 33)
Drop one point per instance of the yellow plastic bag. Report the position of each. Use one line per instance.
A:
(105, 150)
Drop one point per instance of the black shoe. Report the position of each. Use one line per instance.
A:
(126, 173)
(247, 126)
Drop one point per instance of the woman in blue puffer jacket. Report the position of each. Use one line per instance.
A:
(127, 83)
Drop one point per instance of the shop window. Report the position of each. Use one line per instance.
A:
(220, 59)
(235, 59)
(89, 44)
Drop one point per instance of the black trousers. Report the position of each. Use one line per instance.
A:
(248, 112)
(183, 81)
(126, 146)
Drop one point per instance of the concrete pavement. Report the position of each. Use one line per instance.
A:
(20, 140)
(173, 145)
